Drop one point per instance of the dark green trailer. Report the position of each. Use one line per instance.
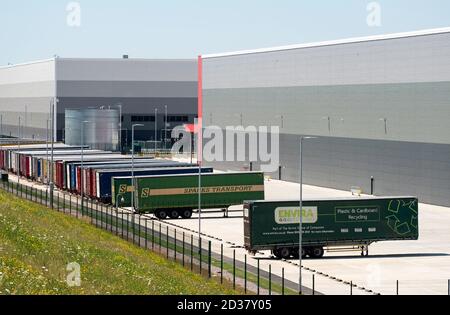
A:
(352, 223)
(177, 195)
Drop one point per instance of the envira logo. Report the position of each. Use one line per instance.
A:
(291, 215)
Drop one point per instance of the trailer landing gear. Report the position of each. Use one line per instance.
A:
(365, 251)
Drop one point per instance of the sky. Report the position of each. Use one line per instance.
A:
(39, 29)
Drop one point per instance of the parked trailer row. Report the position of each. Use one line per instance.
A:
(176, 196)
(328, 223)
(90, 174)
(8, 155)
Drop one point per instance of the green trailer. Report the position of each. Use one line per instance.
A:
(328, 224)
(176, 196)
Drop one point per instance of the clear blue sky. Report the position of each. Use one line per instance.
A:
(37, 29)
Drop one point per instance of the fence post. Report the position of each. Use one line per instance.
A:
(398, 284)
(200, 251)
(117, 220)
(184, 244)
(175, 246)
(282, 281)
(313, 284)
(139, 230)
(245, 274)
(96, 214)
(121, 223)
(70, 204)
(270, 279)
(128, 226)
(76, 205)
(160, 238)
(258, 277)
(167, 241)
(153, 235)
(448, 287)
(146, 235)
(111, 220)
(209, 259)
(192, 252)
(351, 287)
(221, 263)
(234, 269)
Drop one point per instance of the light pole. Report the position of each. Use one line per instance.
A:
(300, 249)
(120, 125)
(24, 133)
(18, 152)
(52, 113)
(165, 127)
(46, 151)
(1, 125)
(132, 167)
(82, 164)
(156, 128)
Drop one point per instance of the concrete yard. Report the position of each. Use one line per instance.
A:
(421, 267)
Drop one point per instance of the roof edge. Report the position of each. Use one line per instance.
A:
(333, 42)
(27, 63)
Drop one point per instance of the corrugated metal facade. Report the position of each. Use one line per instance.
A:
(139, 84)
(381, 107)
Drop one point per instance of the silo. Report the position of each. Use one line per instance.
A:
(74, 117)
(101, 130)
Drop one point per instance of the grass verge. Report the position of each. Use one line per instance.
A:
(37, 245)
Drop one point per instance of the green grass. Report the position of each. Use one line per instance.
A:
(37, 244)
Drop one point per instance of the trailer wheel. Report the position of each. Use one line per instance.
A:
(317, 252)
(174, 214)
(284, 253)
(161, 214)
(187, 214)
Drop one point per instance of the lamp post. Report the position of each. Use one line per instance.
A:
(82, 164)
(46, 151)
(300, 250)
(120, 125)
(53, 103)
(165, 128)
(1, 125)
(18, 153)
(132, 167)
(156, 128)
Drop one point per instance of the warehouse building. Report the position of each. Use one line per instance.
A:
(380, 107)
(139, 85)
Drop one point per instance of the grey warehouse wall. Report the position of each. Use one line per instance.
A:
(141, 85)
(26, 91)
(380, 107)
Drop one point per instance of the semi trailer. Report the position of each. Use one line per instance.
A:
(176, 196)
(328, 224)
(103, 178)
